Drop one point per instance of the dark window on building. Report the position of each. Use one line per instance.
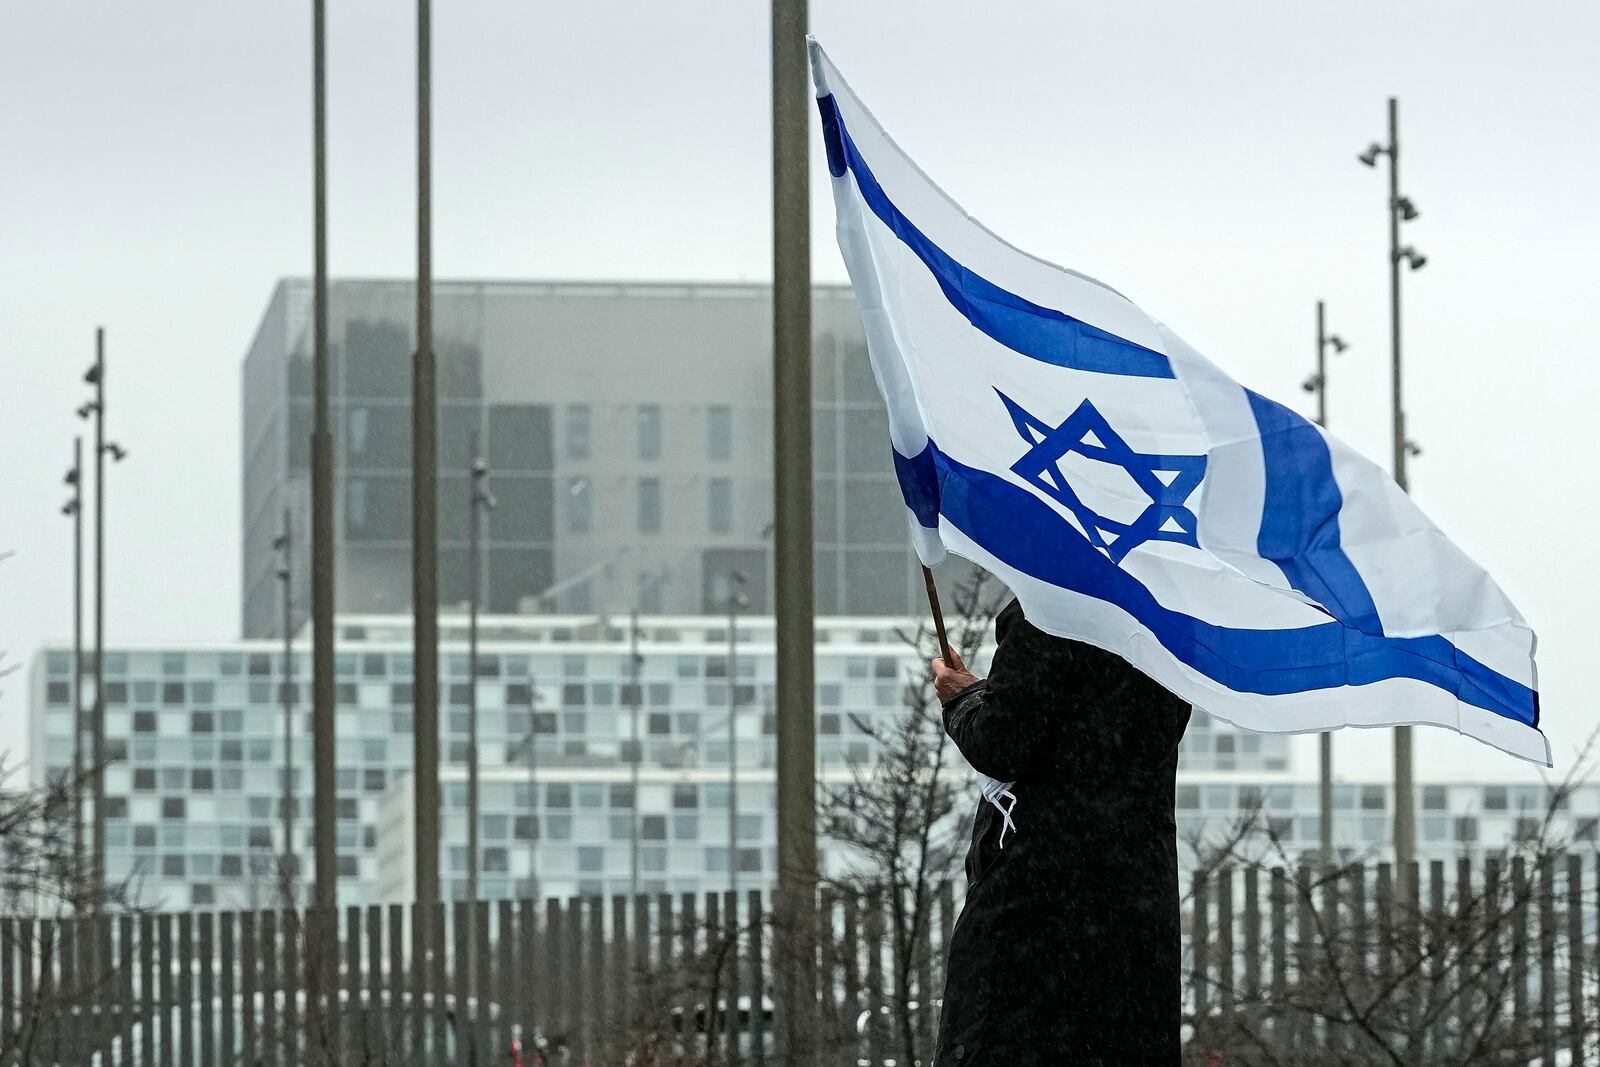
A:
(144, 722)
(1494, 798)
(202, 780)
(260, 837)
(202, 722)
(719, 432)
(1435, 798)
(558, 795)
(649, 427)
(622, 796)
(576, 431)
(579, 505)
(172, 808)
(172, 693)
(649, 505)
(719, 505)
(519, 437)
(653, 828)
(345, 693)
(525, 827)
(57, 692)
(685, 796)
(230, 866)
(373, 780)
(172, 866)
(144, 837)
(144, 779)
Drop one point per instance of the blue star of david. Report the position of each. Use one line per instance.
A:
(1166, 480)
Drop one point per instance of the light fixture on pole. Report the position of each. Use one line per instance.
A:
(1400, 209)
(1318, 384)
(481, 504)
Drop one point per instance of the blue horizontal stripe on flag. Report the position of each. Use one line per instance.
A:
(1030, 329)
(1024, 532)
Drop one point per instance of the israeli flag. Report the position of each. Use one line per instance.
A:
(1135, 497)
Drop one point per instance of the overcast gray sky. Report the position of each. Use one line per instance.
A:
(1199, 157)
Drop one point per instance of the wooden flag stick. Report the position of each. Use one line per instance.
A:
(938, 616)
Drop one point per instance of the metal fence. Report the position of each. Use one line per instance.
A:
(1448, 964)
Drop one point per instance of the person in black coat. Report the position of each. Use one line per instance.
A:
(1066, 951)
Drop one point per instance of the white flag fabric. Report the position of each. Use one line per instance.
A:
(1134, 496)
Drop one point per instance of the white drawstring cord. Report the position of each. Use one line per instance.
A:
(994, 791)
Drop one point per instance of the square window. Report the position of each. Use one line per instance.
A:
(685, 796)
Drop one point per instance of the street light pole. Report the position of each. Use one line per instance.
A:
(635, 754)
(286, 696)
(425, 502)
(736, 600)
(324, 783)
(96, 376)
(535, 827)
(481, 503)
(1318, 383)
(1400, 210)
(74, 507)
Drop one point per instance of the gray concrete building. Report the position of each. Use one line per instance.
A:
(628, 429)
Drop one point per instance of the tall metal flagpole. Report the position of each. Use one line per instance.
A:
(323, 755)
(424, 502)
(793, 563)
(1405, 815)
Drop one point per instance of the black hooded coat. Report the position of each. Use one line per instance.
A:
(1066, 952)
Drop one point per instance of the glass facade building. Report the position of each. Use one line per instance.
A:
(195, 736)
(628, 432)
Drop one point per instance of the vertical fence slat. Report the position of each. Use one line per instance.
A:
(509, 982)
(483, 1033)
(553, 975)
(874, 991)
(26, 955)
(1279, 940)
(438, 946)
(1547, 960)
(730, 923)
(289, 1008)
(401, 1009)
(164, 986)
(1252, 933)
(8, 981)
(850, 947)
(378, 1020)
(1200, 942)
(271, 1033)
(70, 1005)
(207, 947)
(1519, 951)
(1225, 961)
(461, 979)
(532, 966)
(355, 1041)
(227, 1025)
(758, 979)
(185, 963)
(1577, 1021)
(827, 942)
(46, 1023)
(927, 1016)
(578, 1005)
(249, 1037)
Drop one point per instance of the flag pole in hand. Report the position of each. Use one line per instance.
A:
(938, 616)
